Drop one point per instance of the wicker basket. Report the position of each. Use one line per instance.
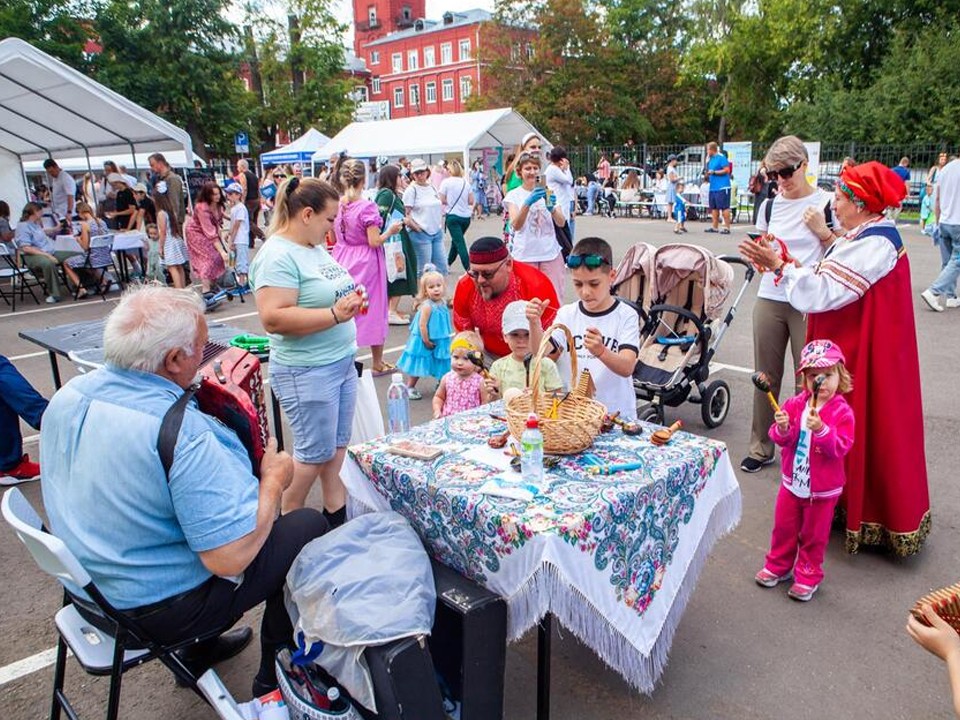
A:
(578, 417)
(946, 603)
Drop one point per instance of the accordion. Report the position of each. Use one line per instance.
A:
(231, 390)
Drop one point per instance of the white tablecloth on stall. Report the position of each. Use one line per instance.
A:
(614, 557)
(66, 243)
(128, 241)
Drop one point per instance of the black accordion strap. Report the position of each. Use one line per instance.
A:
(170, 429)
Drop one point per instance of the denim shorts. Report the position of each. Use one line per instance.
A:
(319, 404)
(719, 199)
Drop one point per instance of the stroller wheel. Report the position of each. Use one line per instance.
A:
(652, 414)
(715, 404)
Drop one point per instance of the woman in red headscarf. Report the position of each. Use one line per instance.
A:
(859, 296)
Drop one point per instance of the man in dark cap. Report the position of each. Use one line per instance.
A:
(493, 282)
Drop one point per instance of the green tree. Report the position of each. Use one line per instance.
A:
(176, 57)
(50, 25)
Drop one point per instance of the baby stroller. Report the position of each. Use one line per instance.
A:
(689, 287)
(634, 279)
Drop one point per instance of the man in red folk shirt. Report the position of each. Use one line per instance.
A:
(494, 281)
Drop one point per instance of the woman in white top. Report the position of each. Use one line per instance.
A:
(560, 183)
(458, 198)
(795, 218)
(533, 221)
(424, 219)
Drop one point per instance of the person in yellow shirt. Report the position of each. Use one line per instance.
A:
(510, 370)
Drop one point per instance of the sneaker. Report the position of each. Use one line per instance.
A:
(24, 471)
(397, 319)
(803, 593)
(725, 231)
(932, 300)
(711, 230)
(767, 579)
(952, 303)
(752, 465)
(414, 394)
(51, 299)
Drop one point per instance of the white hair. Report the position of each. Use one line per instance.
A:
(148, 323)
(242, 165)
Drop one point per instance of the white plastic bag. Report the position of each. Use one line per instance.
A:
(396, 262)
(368, 582)
(367, 417)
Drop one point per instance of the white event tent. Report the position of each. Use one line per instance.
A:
(300, 150)
(48, 109)
(430, 137)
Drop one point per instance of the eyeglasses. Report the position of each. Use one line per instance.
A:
(785, 173)
(486, 274)
(591, 261)
(279, 177)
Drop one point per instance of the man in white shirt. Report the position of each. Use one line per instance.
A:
(63, 189)
(947, 212)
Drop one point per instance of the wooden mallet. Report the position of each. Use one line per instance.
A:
(762, 383)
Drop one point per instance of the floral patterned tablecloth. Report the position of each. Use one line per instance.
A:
(614, 557)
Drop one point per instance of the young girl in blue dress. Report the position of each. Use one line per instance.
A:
(428, 348)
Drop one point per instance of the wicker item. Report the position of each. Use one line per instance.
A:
(946, 603)
(578, 417)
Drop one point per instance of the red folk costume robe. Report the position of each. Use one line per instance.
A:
(860, 297)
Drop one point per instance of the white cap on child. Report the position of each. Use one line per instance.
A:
(515, 317)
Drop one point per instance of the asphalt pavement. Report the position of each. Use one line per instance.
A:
(740, 651)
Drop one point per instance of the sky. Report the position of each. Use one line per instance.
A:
(435, 8)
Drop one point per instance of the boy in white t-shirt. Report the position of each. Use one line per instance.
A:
(606, 331)
(239, 229)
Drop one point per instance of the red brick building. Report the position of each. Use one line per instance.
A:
(419, 66)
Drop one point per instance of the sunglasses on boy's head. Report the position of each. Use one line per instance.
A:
(591, 261)
(786, 173)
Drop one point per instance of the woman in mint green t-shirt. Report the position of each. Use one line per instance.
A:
(307, 303)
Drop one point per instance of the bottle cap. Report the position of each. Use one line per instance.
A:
(532, 421)
(333, 693)
(397, 378)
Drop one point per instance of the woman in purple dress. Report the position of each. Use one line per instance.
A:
(359, 250)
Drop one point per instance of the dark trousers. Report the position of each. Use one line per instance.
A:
(18, 400)
(219, 602)
(458, 243)
(253, 210)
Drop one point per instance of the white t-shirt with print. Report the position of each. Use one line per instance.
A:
(620, 327)
(425, 207)
(536, 241)
(457, 192)
(786, 223)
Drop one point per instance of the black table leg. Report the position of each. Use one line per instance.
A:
(55, 368)
(544, 637)
(277, 420)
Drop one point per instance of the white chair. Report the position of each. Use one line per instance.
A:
(99, 652)
(21, 278)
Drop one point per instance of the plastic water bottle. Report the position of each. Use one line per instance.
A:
(398, 405)
(531, 451)
(337, 703)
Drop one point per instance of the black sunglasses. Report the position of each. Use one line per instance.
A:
(486, 274)
(786, 173)
(591, 261)
(279, 177)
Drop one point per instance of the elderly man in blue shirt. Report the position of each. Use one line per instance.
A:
(185, 553)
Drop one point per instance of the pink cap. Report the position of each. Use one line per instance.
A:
(820, 354)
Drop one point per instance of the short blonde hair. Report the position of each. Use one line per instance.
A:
(786, 152)
(456, 169)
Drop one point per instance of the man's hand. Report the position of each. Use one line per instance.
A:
(276, 466)
(593, 342)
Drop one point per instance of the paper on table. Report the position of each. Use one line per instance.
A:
(486, 455)
(502, 486)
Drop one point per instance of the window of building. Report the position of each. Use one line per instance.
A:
(375, 57)
(530, 51)
(398, 97)
(429, 56)
(406, 12)
(397, 61)
(413, 61)
(464, 49)
(515, 52)
(446, 53)
(431, 92)
(448, 89)
(375, 86)
(415, 95)
(361, 94)
(372, 15)
(466, 87)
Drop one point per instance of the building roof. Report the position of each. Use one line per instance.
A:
(353, 64)
(467, 17)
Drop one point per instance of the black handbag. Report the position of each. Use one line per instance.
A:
(564, 238)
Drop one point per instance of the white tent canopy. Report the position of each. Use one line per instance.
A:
(300, 150)
(48, 109)
(78, 164)
(429, 135)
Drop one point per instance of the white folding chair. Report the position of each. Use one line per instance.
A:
(99, 652)
(21, 278)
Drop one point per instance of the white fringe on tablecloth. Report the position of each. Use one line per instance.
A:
(548, 591)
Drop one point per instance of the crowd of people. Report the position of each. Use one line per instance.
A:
(835, 291)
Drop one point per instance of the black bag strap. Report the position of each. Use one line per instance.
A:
(170, 429)
(827, 212)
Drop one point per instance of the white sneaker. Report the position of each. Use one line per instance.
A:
(932, 300)
(51, 299)
(952, 303)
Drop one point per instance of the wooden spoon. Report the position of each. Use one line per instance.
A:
(662, 437)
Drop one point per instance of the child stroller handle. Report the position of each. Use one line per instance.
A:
(737, 260)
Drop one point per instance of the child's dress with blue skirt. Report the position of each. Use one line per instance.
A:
(419, 361)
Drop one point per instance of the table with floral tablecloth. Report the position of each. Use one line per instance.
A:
(614, 557)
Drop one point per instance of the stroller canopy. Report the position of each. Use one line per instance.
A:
(634, 279)
(677, 262)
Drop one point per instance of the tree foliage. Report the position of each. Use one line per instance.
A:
(50, 25)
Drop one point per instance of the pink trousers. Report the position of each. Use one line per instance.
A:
(556, 270)
(801, 531)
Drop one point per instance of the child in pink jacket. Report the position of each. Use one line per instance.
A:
(814, 434)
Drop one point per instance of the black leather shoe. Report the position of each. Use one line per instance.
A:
(261, 688)
(201, 657)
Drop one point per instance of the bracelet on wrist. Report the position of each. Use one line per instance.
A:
(336, 320)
